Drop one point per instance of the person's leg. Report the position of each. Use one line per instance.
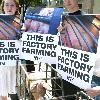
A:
(12, 93)
(0, 98)
(14, 96)
(3, 83)
(4, 98)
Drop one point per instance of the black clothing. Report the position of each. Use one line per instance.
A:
(14, 96)
(76, 13)
(30, 66)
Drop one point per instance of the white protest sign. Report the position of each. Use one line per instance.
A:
(40, 47)
(75, 66)
(9, 52)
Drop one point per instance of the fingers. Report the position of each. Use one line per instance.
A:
(92, 92)
(60, 28)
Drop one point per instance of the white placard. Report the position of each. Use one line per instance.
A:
(9, 52)
(40, 47)
(75, 66)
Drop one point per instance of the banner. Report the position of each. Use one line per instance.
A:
(75, 66)
(9, 52)
(39, 47)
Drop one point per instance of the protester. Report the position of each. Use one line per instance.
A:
(8, 73)
(73, 9)
(71, 31)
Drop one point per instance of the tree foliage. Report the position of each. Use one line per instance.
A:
(30, 2)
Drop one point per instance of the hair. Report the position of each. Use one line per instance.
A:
(17, 6)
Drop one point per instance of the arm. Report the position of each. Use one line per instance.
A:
(93, 92)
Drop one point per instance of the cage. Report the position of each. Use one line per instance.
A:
(27, 83)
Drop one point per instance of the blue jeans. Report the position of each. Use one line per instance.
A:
(96, 82)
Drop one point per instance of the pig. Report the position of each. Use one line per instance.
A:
(34, 26)
(38, 86)
(71, 37)
(44, 28)
(27, 24)
(6, 33)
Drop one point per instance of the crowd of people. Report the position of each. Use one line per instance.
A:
(8, 73)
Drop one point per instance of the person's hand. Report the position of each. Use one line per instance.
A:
(23, 28)
(93, 92)
(60, 28)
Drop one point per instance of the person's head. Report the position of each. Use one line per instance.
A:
(10, 7)
(71, 5)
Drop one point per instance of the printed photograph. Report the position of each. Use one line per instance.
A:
(9, 27)
(42, 20)
(80, 32)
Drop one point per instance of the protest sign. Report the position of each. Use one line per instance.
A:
(39, 47)
(9, 52)
(80, 32)
(75, 66)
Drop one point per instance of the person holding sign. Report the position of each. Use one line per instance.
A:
(73, 9)
(8, 73)
(70, 28)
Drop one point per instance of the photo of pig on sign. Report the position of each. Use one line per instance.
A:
(80, 32)
(9, 27)
(76, 55)
(42, 20)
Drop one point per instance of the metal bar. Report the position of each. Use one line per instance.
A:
(25, 88)
(20, 79)
(46, 72)
(75, 34)
(68, 37)
(62, 87)
(5, 29)
(17, 31)
(52, 68)
(88, 18)
(83, 38)
(97, 18)
(85, 28)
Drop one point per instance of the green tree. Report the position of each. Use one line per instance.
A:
(30, 2)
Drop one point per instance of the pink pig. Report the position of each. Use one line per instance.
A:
(72, 37)
(44, 28)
